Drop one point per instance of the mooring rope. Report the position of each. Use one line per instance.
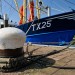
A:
(52, 53)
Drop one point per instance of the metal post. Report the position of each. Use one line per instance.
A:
(49, 11)
(5, 20)
(25, 11)
(38, 9)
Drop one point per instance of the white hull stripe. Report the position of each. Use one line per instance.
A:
(49, 32)
(64, 16)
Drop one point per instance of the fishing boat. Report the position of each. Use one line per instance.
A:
(56, 30)
(52, 30)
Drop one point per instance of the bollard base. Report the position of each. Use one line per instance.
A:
(11, 64)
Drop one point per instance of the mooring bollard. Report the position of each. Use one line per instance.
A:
(11, 46)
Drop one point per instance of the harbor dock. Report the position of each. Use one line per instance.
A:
(62, 63)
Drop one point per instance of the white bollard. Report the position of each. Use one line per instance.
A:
(11, 42)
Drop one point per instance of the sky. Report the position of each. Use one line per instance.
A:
(57, 7)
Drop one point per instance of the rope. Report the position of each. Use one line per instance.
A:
(49, 54)
(30, 26)
(23, 16)
(58, 5)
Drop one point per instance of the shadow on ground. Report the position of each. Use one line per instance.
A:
(40, 64)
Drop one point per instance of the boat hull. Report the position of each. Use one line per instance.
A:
(52, 38)
(54, 30)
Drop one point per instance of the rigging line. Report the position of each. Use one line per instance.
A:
(63, 67)
(52, 53)
(23, 16)
(56, 9)
(58, 67)
(12, 7)
(67, 5)
(9, 11)
(19, 12)
(49, 54)
(58, 5)
(70, 2)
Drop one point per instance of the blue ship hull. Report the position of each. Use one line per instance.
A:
(52, 38)
(54, 30)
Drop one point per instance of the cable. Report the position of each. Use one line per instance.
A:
(56, 9)
(70, 2)
(52, 53)
(23, 16)
(64, 66)
(12, 7)
(29, 27)
(31, 61)
(58, 5)
(9, 11)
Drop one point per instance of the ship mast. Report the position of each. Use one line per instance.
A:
(38, 9)
(25, 11)
(24, 8)
(15, 1)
